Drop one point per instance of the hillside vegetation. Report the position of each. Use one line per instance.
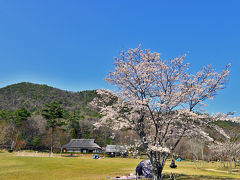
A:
(34, 96)
(23, 126)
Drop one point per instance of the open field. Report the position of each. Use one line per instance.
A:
(66, 168)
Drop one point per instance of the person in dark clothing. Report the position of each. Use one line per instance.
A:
(173, 165)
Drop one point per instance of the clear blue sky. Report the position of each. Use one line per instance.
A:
(71, 44)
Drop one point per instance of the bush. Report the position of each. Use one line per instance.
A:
(10, 150)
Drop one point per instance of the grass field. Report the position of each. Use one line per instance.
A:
(86, 168)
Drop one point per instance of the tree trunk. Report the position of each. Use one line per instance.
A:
(157, 173)
(230, 165)
(12, 138)
(16, 140)
(51, 149)
(158, 160)
(195, 163)
(202, 156)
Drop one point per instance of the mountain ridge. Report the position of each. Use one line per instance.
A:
(33, 96)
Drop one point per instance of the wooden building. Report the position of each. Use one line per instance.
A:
(82, 145)
(116, 150)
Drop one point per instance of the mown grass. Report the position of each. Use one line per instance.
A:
(186, 170)
(86, 168)
(47, 168)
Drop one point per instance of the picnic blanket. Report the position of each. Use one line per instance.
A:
(125, 177)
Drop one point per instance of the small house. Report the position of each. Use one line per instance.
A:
(116, 149)
(82, 145)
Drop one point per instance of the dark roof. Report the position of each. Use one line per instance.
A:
(82, 143)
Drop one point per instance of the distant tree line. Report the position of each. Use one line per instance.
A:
(47, 129)
(43, 118)
(27, 119)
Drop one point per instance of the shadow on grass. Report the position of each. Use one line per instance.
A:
(71, 156)
(191, 177)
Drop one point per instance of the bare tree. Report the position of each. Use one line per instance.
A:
(4, 135)
(195, 150)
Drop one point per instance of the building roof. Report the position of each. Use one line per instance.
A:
(82, 143)
(115, 148)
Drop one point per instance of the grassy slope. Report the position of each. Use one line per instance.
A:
(42, 168)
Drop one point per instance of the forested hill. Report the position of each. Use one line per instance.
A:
(79, 124)
(34, 96)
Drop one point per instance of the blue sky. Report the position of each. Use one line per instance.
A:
(71, 44)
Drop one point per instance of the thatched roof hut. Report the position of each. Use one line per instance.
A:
(82, 145)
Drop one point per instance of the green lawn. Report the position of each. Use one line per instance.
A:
(63, 168)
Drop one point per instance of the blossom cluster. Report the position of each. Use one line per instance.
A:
(158, 98)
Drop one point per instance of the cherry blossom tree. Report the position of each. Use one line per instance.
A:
(158, 99)
(133, 148)
(227, 150)
(229, 147)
